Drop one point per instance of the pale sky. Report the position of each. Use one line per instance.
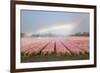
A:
(56, 22)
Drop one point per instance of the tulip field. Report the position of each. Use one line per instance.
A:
(35, 49)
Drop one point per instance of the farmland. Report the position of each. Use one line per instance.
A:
(35, 49)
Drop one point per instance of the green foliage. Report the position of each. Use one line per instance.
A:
(52, 54)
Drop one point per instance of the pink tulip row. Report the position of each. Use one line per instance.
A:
(35, 45)
(49, 48)
(73, 47)
(51, 44)
(60, 48)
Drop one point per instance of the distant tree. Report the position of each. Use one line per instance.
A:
(81, 34)
(23, 34)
